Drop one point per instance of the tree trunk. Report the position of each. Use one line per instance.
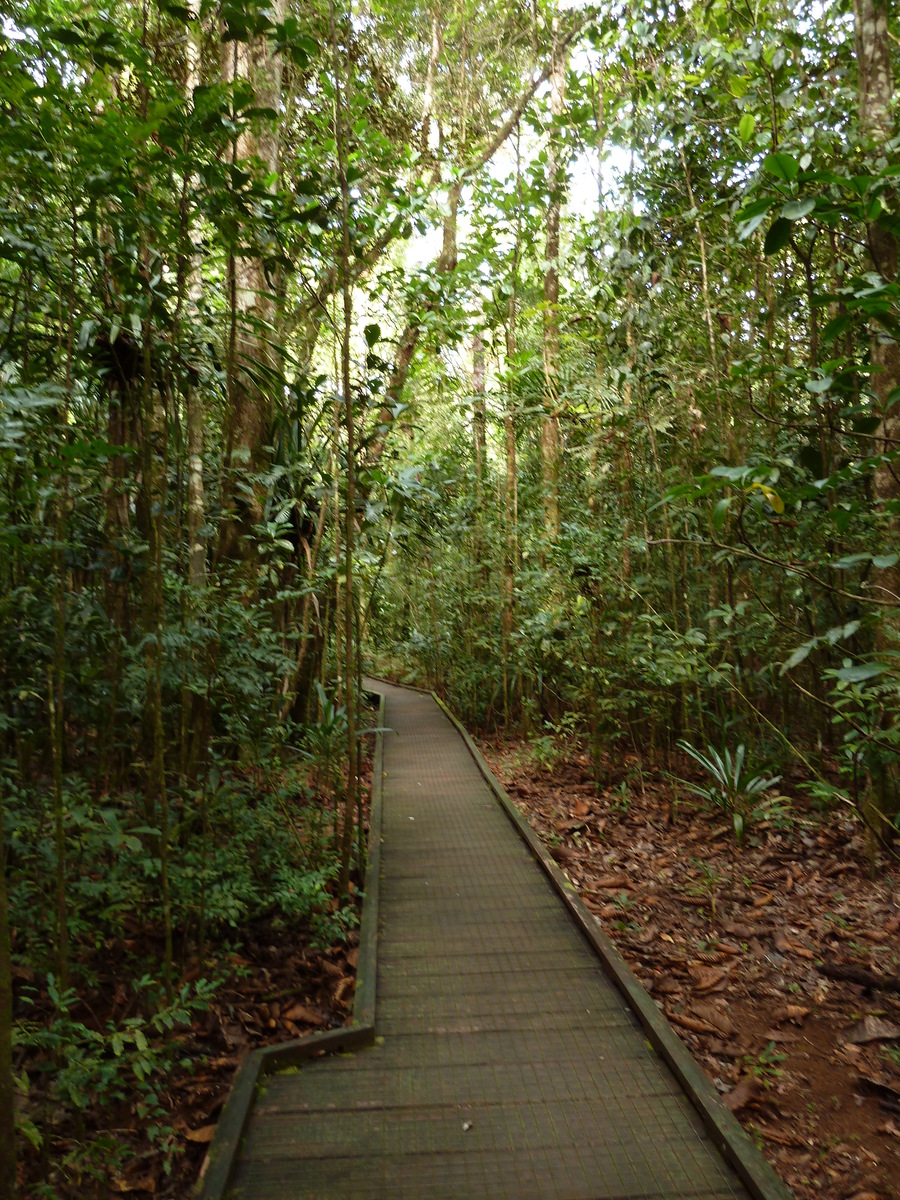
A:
(7, 1083)
(550, 441)
(253, 360)
(876, 87)
(479, 415)
(446, 262)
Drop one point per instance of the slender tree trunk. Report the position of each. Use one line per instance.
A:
(350, 646)
(876, 88)
(479, 415)
(195, 717)
(7, 1082)
(254, 305)
(550, 439)
(434, 58)
(409, 339)
(876, 95)
(511, 518)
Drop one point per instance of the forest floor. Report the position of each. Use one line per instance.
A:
(273, 986)
(776, 962)
(274, 981)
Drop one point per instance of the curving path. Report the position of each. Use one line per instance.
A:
(507, 1064)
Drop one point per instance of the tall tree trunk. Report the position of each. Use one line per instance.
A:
(550, 440)
(511, 480)
(434, 57)
(479, 415)
(253, 361)
(510, 513)
(350, 643)
(194, 403)
(195, 719)
(876, 88)
(7, 1082)
(725, 426)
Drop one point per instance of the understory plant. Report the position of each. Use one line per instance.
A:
(735, 788)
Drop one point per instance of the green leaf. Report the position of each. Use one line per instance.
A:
(751, 226)
(838, 632)
(883, 561)
(782, 166)
(795, 209)
(730, 472)
(372, 335)
(836, 327)
(801, 653)
(749, 211)
(746, 127)
(849, 561)
(179, 11)
(819, 386)
(860, 673)
(66, 37)
(778, 236)
(720, 511)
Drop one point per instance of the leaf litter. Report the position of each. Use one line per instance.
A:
(775, 962)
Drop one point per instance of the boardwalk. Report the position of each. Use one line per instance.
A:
(506, 1065)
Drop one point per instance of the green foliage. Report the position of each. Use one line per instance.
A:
(865, 698)
(735, 788)
(86, 1068)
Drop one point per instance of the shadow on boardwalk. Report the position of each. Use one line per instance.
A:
(507, 1064)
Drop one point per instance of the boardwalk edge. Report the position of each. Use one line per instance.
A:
(223, 1150)
(760, 1179)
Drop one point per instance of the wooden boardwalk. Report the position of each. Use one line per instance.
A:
(506, 1062)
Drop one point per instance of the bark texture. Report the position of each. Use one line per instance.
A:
(550, 437)
(253, 359)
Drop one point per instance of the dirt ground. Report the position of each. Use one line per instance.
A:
(777, 962)
(280, 988)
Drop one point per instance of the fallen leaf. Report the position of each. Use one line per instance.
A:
(744, 932)
(726, 1049)
(787, 946)
(570, 825)
(706, 978)
(791, 1012)
(613, 881)
(762, 901)
(581, 808)
(780, 1138)
(146, 1184)
(872, 1029)
(739, 1097)
(716, 1017)
(305, 1014)
(203, 1135)
(726, 948)
(343, 992)
(690, 1023)
(889, 1127)
(666, 986)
